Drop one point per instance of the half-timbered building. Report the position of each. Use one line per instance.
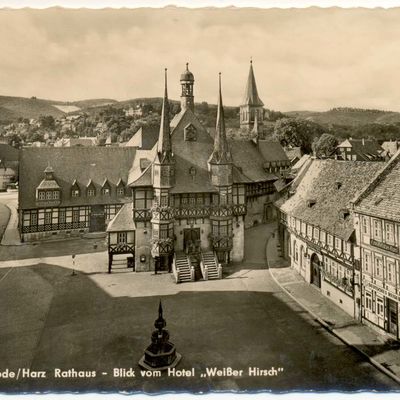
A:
(192, 193)
(377, 222)
(316, 227)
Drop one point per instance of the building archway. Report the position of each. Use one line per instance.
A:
(315, 271)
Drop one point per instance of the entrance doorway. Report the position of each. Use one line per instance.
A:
(315, 271)
(163, 263)
(191, 240)
(392, 316)
(268, 213)
(97, 219)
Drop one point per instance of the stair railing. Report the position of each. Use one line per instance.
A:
(175, 269)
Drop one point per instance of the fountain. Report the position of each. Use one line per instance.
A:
(161, 353)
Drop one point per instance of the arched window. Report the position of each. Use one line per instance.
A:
(296, 252)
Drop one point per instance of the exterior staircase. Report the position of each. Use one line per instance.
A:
(210, 266)
(182, 268)
(195, 262)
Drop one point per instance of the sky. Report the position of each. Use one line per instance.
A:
(303, 59)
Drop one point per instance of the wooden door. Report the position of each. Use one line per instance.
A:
(97, 219)
(315, 271)
(392, 316)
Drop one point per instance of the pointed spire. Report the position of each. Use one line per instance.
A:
(221, 153)
(160, 310)
(164, 148)
(251, 94)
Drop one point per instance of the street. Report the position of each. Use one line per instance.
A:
(90, 320)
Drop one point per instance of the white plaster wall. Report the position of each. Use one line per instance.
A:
(237, 253)
(339, 298)
(143, 248)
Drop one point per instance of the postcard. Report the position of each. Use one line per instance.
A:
(199, 200)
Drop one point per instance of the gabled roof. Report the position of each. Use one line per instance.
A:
(381, 198)
(367, 149)
(249, 160)
(123, 220)
(272, 150)
(190, 154)
(391, 147)
(319, 183)
(83, 164)
(251, 97)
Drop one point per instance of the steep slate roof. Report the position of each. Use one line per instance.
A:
(381, 197)
(191, 154)
(123, 221)
(366, 148)
(272, 150)
(249, 160)
(83, 164)
(145, 137)
(319, 183)
(251, 94)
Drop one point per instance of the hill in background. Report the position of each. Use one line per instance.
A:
(347, 116)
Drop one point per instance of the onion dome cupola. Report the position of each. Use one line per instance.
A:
(187, 83)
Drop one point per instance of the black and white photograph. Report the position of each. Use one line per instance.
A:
(199, 200)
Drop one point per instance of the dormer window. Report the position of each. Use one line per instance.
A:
(106, 188)
(311, 203)
(121, 191)
(41, 195)
(91, 189)
(75, 191)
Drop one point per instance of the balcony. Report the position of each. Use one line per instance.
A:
(160, 247)
(162, 213)
(239, 209)
(192, 212)
(221, 242)
(141, 215)
(221, 211)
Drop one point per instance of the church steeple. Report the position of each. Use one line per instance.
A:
(252, 105)
(164, 147)
(187, 82)
(221, 153)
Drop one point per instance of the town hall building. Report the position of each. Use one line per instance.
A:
(181, 206)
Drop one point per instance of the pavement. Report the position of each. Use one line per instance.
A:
(60, 314)
(380, 351)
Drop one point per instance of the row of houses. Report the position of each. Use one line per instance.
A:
(339, 225)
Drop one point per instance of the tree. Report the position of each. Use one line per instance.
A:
(325, 145)
(297, 132)
(47, 121)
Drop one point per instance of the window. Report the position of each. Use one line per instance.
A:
(48, 215)
(389, 230)
(49, 195)
(61, 216)
(367, 262)
(309, 231)
(75, 215)
(365, 225)
(41, 195)
(143, 198)
(316, 233)
(390, 271)
(106, 191)
(379, 306)
(238, 194)
(56, 194)
(368, 301)
(338, 244)
(121, 191)
(34, 218)
(222, 228)
(377, 229)
(121, 237)
(330, 240)
(347, 247)
(166, 231)
(378, 267)
(91, 192)
(296, 252)
(75, 193)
